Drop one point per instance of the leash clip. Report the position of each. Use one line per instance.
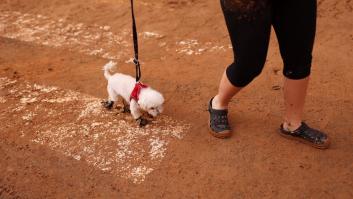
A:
(136, 61)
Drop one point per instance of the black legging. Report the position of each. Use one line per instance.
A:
(294, 22)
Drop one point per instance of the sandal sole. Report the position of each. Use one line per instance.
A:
(321, 146)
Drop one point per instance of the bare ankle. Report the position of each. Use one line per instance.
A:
(291, 126)
(216, 104)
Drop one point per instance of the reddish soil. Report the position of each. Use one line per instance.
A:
(184, 61)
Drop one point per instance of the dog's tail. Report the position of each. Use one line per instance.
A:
(107, 68)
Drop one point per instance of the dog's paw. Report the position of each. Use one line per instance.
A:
(107, 104)
(142, 121)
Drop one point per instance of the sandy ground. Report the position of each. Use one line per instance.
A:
(56, 141)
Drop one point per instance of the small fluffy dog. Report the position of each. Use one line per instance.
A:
(137, 97)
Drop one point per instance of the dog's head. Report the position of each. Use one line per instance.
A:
(151, 101)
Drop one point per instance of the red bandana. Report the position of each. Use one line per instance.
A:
(136, 92)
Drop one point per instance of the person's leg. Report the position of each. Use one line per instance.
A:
(295, 23)
(249, 34)
(294, 98)
(225, 93)
(249, 29)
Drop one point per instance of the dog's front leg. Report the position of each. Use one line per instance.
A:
(136, 113)
(135, 109)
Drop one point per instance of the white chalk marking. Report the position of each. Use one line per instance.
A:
(76, 125)
(97, 40)
(2, 100)
(28, 116)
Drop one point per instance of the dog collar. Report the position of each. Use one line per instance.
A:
(136, 91)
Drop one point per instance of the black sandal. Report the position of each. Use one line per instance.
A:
(218, 122)
(307, 135)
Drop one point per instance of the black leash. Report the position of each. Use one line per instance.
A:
(134, 36)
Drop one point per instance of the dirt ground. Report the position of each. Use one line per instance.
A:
(57, 142)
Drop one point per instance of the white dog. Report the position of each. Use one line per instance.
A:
(136, 96)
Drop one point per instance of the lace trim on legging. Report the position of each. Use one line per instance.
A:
(246, 9)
